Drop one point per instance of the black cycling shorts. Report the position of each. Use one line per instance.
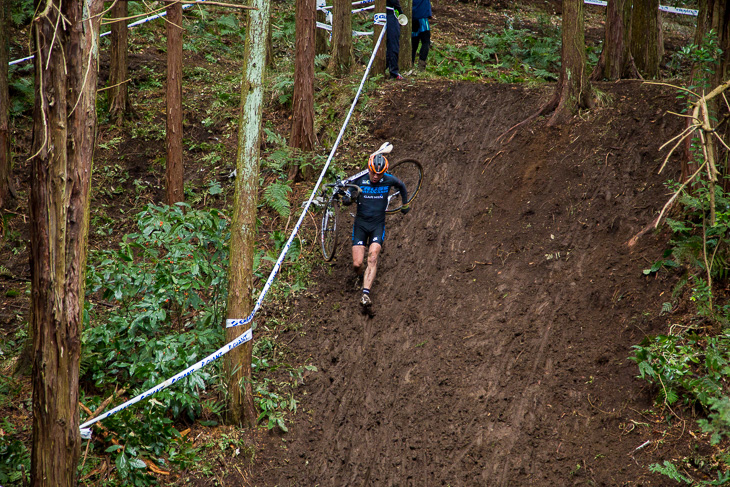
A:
(367, 233)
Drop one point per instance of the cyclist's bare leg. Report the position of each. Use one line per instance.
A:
(373, 253)
(358, 257)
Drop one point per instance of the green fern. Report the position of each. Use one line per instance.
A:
(276, 196)
(321, 60)
(670, 471)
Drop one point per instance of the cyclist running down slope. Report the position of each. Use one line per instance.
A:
(368, 231)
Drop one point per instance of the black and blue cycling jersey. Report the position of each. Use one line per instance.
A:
(373, 199)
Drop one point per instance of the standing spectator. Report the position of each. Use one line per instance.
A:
(421, 31)
(392, 47)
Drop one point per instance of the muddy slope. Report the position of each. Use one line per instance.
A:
(506, 304)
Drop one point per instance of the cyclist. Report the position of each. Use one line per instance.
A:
(369, 227)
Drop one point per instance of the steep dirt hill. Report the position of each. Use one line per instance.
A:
(506, 304)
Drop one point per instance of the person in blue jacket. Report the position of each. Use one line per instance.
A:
(392, 33)
(421, 31)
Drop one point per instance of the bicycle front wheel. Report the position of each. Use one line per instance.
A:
(410, 172)
(329, 229)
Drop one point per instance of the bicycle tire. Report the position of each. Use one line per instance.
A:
(328, 233)
(410, 171)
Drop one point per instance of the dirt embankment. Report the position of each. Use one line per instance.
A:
(506, 304)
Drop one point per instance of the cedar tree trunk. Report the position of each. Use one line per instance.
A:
(6, 188)
(302, 128)
(64, 129)
(379, 61)
(573, 90)
(404, 60)
(241, 408)
(645, 37)
(341, 60)
(616, 61)
(119, 91)
(174, 175)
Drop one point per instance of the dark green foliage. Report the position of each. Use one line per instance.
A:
(167, 287)
(14, 456)
(276, 195)
(22, 91)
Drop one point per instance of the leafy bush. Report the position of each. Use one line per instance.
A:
(166, 286)
(169, 277)
(692, 367)
(14, 456)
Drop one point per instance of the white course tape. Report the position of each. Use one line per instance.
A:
(285, 250)
(162, 385)
(663, 8)
(245, 337)
(371, 7)
(103, 34)
(355, 33)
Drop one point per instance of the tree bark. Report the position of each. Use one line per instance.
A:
(379, 61)
(404, 61)
(119, 90)
(321, 37)
(175, 171)
(341, 60)
(6, 188)
(645, 37)
(573, 90)
(64, 130)
(302, 129)
(616, 61)
(241, 408)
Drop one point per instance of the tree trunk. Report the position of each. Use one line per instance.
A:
(119, 90)
(64, 134)
(174, 176)
(341, 60)
(404, 61)
(241, 408)
(302, 129)
(379, 61)
(645, 37)
(321, 35)
(270, 61)
(6, 189)
(573, 90)
(616, 61)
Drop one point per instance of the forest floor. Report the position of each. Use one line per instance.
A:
(506, 306)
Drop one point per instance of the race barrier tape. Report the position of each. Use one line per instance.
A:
(371, 7)
(285, 250)
(663, 8)
(248, 335)
(129, 26)
(354, 32)
(163, 385)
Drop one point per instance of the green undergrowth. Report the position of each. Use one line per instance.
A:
(689, 366)
(155, 306)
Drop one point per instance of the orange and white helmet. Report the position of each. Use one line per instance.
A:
(378, 163)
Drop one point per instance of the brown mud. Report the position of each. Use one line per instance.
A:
(506, 304)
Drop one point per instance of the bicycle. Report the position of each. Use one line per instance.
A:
(410, 171)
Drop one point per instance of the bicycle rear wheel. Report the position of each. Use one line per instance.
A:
(329, 229)
(410, 172)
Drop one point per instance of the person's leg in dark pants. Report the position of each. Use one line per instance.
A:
(425, 45)
(392, 46)
(415, 39)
